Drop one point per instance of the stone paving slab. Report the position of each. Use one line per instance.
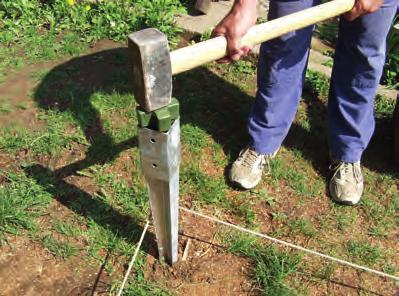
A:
(198, 23)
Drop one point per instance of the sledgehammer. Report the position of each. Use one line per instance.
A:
(158, 115)
(153, 64)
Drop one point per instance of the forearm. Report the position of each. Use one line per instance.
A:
(244, 5)
(245, 9)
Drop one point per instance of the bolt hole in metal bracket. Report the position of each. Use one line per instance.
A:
(159, 144)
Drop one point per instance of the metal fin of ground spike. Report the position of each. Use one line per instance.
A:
(160, 160)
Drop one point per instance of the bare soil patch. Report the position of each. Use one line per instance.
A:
(28, 269)
(208, 270)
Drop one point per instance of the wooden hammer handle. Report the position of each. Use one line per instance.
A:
(190, 57)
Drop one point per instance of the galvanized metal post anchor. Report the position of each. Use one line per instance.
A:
(159, 143)
(159, 133)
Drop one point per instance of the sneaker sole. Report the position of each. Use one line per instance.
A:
(246, 185)
(340, 201)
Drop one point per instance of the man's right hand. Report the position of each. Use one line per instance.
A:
(234, 26)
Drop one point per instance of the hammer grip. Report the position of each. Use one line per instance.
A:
(190, 57)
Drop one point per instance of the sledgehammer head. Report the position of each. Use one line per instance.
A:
(152, 71)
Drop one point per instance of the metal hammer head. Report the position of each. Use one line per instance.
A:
(152, 71)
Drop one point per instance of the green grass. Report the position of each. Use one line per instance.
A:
(59, 249)
(22, 201)
(209, 190)
(364, 252)
(37, 31)
(328, 31)
(103, 196)
(316, 83)
(194, 138)
(384, 106)
(303, 226)
(5, 108)
(271, 267)
(137, 284)
(296, 177)
(68, 229)
(58, 135)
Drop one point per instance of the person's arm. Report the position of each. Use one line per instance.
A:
(363, 7)
(235, 25)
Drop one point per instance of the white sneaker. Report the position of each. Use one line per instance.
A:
(247, 170)
(346, 185)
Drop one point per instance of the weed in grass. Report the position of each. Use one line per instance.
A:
(243, 67)
(272, 266)
(364, 252)
(58, 248)
(22, 200)
(383, 106)
(316, 83)
(42, 47)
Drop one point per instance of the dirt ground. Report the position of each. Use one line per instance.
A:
(26, 268)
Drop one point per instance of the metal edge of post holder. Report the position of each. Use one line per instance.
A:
(160, 161)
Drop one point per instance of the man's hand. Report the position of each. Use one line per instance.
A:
(234, 26)
(363, 7)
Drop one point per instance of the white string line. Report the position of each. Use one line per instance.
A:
(133, 258)
(275, 240)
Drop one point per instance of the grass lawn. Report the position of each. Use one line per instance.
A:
(73, 201)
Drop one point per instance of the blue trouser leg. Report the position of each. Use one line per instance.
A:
(281, 73)
(358, 63)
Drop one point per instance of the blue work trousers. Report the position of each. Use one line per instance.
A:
(358, 63)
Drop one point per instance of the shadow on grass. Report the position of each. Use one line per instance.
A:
(207, 101)
(80, 202)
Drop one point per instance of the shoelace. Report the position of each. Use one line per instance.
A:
(250, 157)
(345, 169)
